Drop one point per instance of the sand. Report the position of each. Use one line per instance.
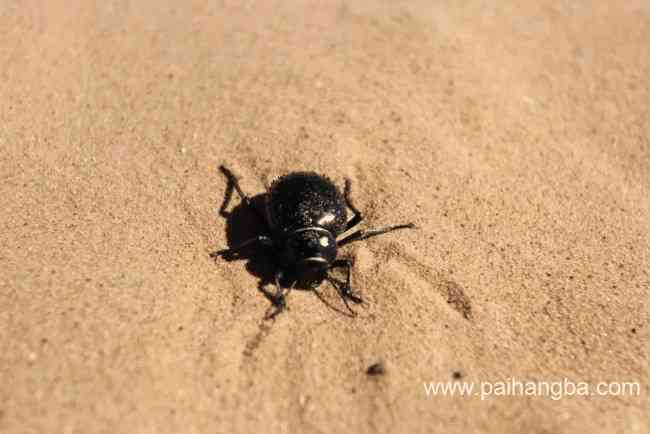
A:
(516, 135)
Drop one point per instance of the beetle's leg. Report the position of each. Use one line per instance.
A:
(280, 301)
(233, 251)
(285, 293)
(233, 182)
(280, 298)
(338, 290)
(356, 219)
(346, 291)
(363, 234)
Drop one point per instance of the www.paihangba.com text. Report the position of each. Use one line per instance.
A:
(555, 389)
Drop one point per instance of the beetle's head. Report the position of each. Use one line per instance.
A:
(311, 250)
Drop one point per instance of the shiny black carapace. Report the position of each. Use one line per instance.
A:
(305, 213)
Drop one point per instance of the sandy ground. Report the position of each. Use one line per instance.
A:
(515, 134)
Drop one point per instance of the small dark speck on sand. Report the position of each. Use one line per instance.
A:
(376, 369)
(457, 375)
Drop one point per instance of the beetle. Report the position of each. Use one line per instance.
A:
(306, 214)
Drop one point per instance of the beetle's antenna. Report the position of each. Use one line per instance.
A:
(363, 234)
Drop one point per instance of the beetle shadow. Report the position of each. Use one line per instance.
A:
(245, 222)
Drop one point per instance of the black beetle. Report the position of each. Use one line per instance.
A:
(305, 213)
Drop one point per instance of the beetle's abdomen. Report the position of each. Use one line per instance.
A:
(305, 199)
